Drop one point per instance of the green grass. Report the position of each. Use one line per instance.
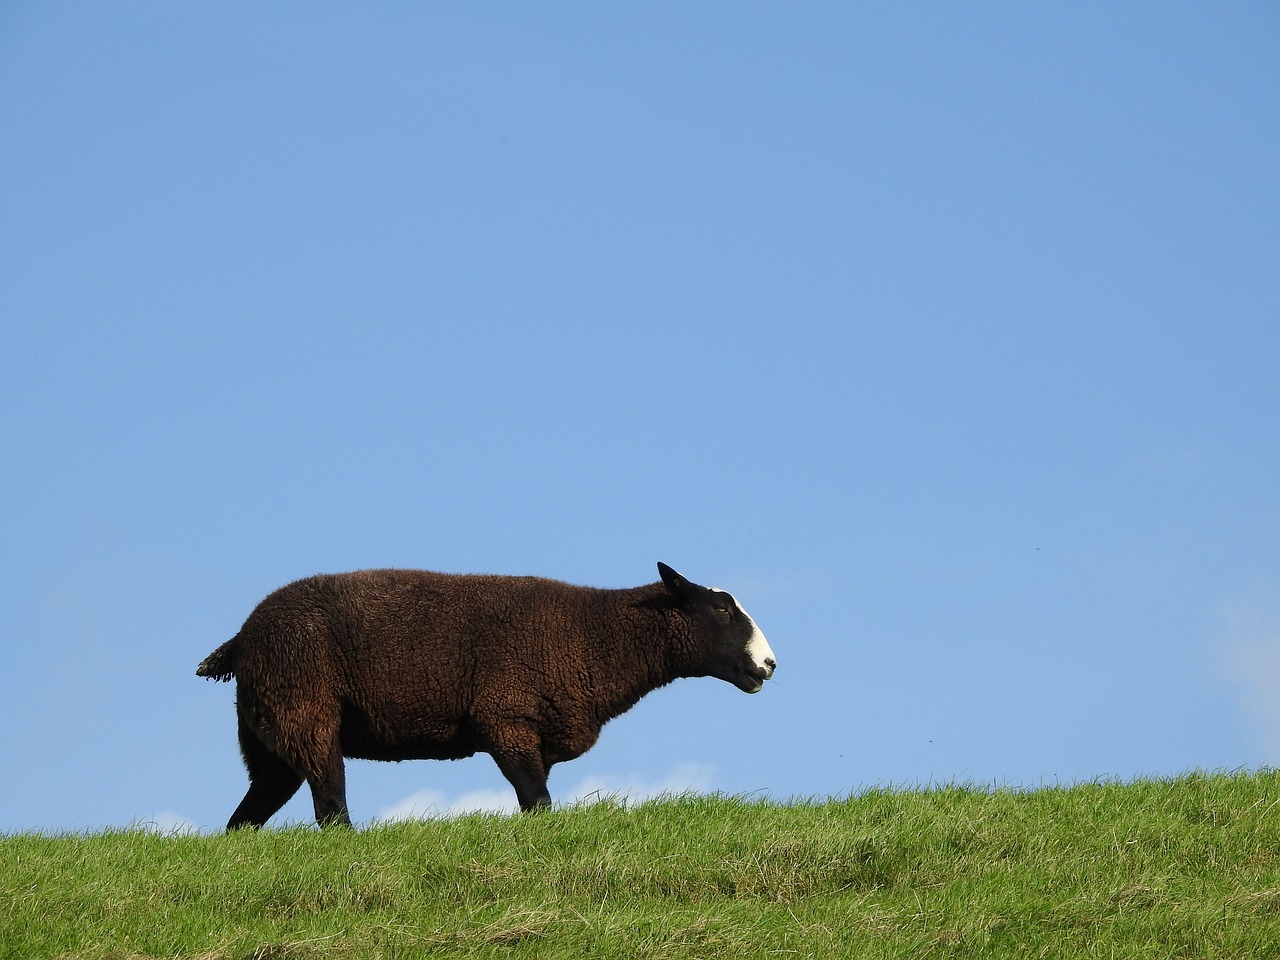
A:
(1181, 868)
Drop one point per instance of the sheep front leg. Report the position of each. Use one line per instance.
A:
(520, 760)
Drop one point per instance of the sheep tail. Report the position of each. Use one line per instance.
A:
(221, 664)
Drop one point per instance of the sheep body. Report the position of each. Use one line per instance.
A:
(410, 664)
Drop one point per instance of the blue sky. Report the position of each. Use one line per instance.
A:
(944, 336)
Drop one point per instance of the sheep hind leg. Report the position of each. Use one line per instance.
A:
(318, 757)
(329, 791)
(272, 782)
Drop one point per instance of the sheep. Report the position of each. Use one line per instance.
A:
(411, 664)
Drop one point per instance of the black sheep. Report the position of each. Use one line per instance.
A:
(408, 664)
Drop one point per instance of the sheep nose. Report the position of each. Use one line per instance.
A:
(770, 665)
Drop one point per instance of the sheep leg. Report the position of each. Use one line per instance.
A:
(328, 782)
(330, 797)
(520, 760)
(530, 782)
(271, 783)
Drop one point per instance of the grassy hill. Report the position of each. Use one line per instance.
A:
(1182, 868)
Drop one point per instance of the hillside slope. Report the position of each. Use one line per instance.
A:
(1182, 868)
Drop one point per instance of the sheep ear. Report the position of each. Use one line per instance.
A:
(675, 583)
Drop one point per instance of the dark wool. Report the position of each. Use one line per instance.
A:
(408, 664)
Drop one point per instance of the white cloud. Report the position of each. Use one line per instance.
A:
(431, 804)
(1251, 657)
(168, 823)
(684, 778)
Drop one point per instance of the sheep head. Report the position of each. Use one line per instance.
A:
(729, 645)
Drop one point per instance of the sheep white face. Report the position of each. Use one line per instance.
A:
(758, 650)
(736, 651)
